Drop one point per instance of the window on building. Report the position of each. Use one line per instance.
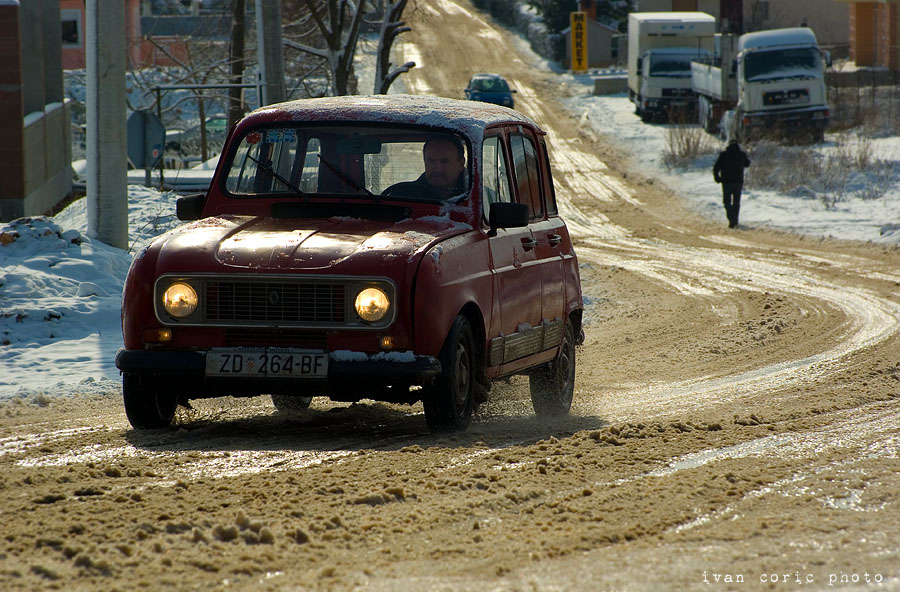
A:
(71, 28)
(760, 11)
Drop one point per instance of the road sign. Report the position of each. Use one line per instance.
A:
(578, 21)
(146, 139)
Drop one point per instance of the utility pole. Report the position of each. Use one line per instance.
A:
(107, 163)
(270, 51)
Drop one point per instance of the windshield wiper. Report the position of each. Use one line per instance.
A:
(268, 169)
(347, 180)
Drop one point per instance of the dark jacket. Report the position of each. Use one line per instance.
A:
(422, 188)
(730, 165)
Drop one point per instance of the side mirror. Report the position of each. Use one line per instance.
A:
(828, 61)
(640, 65)
(190, 207)
(507, 215)
(512, 90)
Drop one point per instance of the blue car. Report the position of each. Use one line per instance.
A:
(490, 88)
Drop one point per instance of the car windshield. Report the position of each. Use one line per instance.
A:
(803, 62)
(348, 160)
(490, 85)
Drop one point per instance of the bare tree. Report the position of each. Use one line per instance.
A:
(391, 27)
(338, 23)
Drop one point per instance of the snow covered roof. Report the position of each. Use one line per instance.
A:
(677, 17)
(469, 117)
(777, 38)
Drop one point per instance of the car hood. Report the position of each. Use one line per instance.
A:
(259, 244)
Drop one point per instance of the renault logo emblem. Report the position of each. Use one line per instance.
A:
(274, 298)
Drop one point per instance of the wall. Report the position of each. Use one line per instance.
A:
(829, 19)
(35, 156)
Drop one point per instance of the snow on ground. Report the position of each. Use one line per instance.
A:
(805, 209)
(60, 296)
(60, 291)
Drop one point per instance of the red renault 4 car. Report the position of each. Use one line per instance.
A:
(394, 248)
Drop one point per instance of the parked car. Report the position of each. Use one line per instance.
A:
(322, 261)
(187, 141)
(490, 88)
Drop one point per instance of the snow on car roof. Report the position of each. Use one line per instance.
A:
(468, 117)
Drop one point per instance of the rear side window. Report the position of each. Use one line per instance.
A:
(494, 175)
(549, 190)
(528, 182)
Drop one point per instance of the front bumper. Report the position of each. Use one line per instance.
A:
(186, 370)
(663, 107)
(807, 118)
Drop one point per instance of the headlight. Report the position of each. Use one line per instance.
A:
(372, 304)
(180, 300)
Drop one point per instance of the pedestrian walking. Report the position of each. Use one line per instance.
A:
(729, 171)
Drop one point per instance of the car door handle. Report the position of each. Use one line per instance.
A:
(555, 239)
(529, 243)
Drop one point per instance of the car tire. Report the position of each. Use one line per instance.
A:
(553, 385)
(291, 403)
(449, 401)
(148, 405)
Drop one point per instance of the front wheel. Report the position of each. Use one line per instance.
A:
(553, 385)
(148, 405)
(449, 401)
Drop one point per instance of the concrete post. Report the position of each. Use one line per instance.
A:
(270, 50)
(107, 167)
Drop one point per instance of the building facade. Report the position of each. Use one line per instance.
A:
(874, 33)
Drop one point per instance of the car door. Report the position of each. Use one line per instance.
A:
(535, 187)
(517, 286)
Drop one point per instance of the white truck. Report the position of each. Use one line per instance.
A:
(763, 83)
(661, 46)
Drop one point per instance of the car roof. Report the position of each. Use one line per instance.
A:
(467, 117)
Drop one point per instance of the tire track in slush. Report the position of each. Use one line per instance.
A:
(708, 272)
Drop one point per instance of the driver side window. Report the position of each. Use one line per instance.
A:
(495, 185)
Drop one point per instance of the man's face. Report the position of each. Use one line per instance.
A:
(442, 164)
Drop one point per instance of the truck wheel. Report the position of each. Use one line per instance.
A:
(450, 399)
(291, 403)
(148, 406)
(553, 385)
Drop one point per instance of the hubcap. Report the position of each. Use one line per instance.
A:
(462, 375)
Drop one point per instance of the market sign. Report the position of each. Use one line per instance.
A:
(578, 21)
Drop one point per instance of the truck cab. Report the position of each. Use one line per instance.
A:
(661, 46)
(781, 82)
(665, 83)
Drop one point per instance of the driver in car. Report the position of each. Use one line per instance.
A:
(445, 164)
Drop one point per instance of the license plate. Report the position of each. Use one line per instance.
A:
(267, 363)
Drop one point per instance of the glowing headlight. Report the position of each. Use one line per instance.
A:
(372, 304)
(180, 300)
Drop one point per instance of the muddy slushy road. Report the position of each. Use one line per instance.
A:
(735, 425)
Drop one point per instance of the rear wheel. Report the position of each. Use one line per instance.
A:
(148, 405)
(291, 403)
(553, 385)
(450, 400)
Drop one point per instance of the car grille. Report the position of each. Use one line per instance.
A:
(274, 302)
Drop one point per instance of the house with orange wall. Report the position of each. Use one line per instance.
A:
(875, 33)
(142, 51)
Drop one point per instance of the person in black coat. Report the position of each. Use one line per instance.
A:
(729, 171)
